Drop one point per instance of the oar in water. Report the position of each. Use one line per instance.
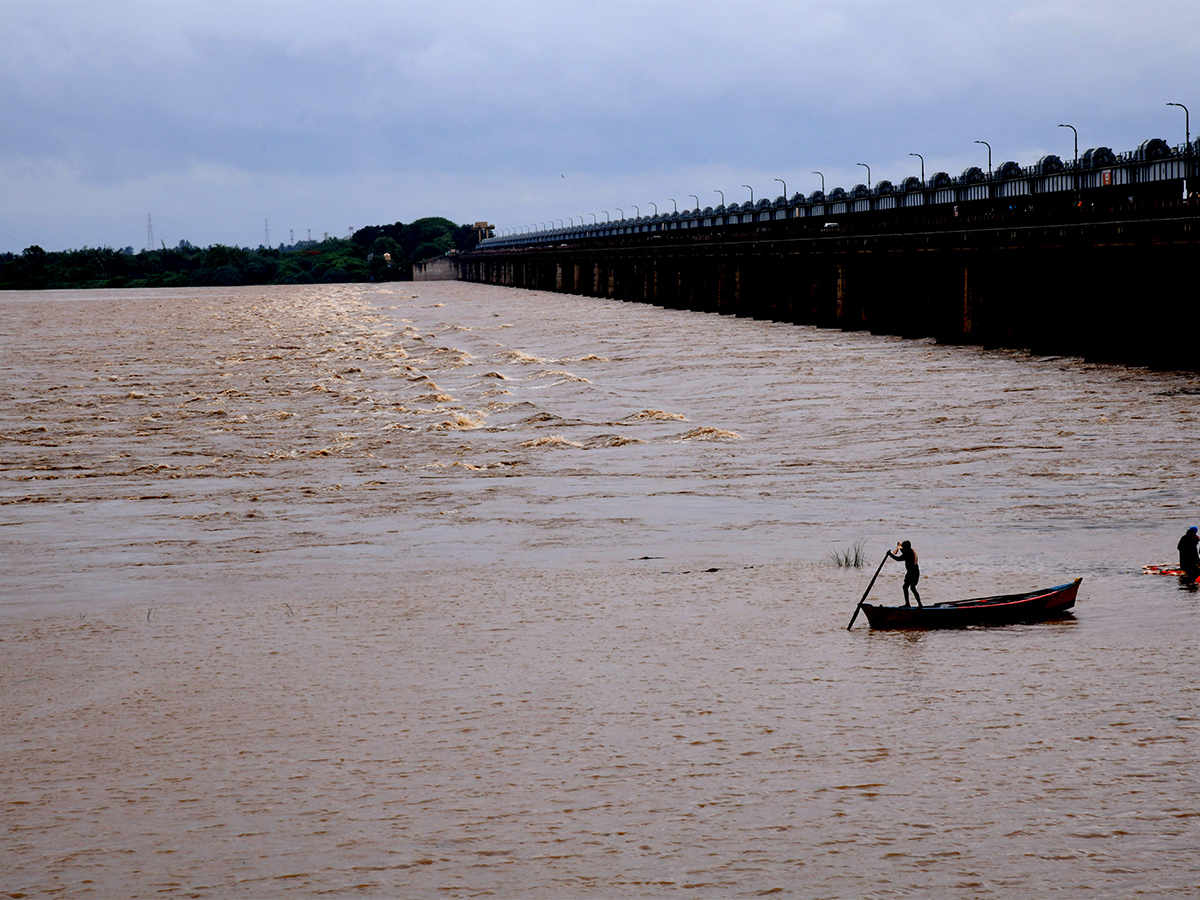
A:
(867, 591)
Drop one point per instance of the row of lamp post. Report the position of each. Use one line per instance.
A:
(1075, 132)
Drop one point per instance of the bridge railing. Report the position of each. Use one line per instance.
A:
(1154, 163)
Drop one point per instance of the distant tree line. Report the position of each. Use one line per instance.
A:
(375, 253)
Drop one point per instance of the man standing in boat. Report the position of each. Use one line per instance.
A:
(912, 572)
(1189, 560)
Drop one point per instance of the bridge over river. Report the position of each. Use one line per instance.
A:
(1095, 260)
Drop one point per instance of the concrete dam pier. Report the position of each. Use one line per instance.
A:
(1111, 285)
(1092, 257)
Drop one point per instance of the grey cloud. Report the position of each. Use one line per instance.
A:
(472, 97)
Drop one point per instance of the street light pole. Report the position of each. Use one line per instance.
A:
(655, 205)
(815, 172)
(751, 190)
(1187, 132)
(1076, 133)
(868, 168)
(676, 205)
(1187, 135)
(606, 216)
(622, 212)
(989, 146)
(922, 159)
(722, 193)
(697, 199)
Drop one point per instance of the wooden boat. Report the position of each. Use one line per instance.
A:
(1048, 603)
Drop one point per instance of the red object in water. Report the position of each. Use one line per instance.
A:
(1163, 570)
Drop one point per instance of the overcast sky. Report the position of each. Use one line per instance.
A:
(217, 118)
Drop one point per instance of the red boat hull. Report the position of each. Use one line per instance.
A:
(1032, 606)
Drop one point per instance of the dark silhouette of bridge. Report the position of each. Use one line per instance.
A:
(1096, 262)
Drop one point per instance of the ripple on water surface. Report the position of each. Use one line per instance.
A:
(346, 590)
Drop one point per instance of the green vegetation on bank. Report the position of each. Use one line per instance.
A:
(375, 253)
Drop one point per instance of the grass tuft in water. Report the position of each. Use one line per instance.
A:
(851, 556)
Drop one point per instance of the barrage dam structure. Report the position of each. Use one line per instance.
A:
(1094, 258)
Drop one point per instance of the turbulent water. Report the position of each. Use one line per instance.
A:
(446, 590)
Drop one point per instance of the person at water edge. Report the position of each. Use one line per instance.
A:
(912, 572)
(1189, 559)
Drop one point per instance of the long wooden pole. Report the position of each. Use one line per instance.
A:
(868, 590)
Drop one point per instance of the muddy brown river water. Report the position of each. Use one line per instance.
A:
(445, 590)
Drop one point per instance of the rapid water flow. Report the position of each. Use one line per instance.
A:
(447, 590)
